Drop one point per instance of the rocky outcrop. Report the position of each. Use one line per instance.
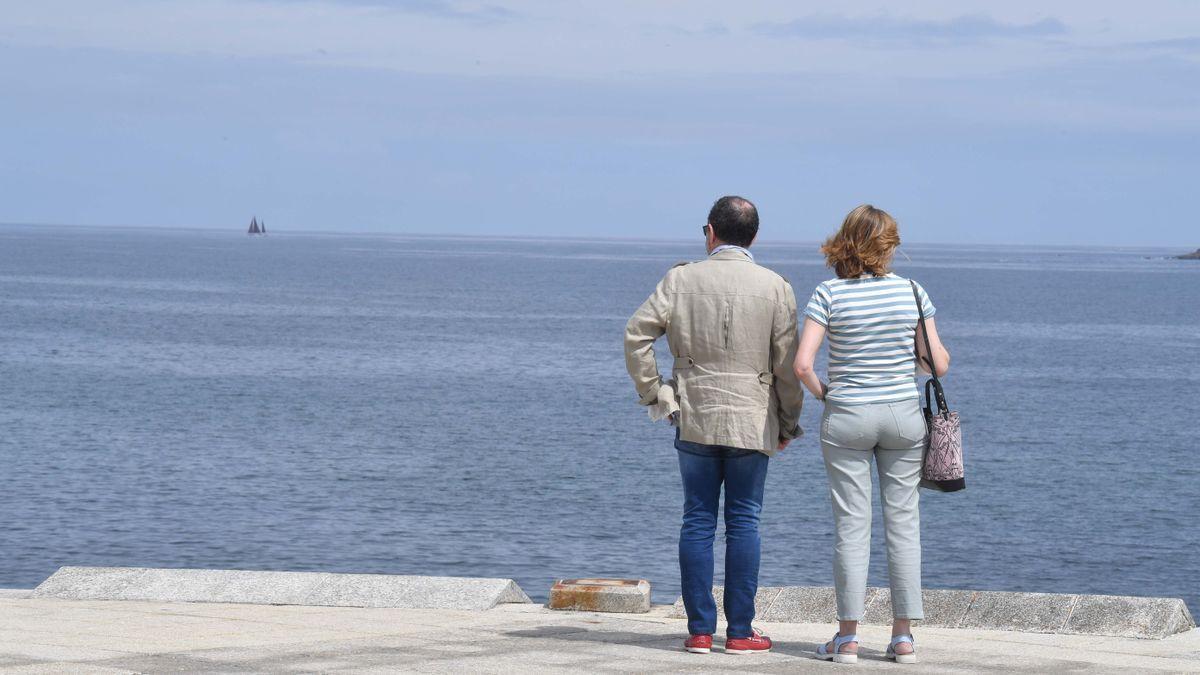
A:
(1190, 256)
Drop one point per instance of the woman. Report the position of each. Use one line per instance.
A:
(872, 410)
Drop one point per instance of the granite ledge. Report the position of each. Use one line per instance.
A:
(1066, 614)
(279, 588)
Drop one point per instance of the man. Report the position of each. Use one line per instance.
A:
(731, 326)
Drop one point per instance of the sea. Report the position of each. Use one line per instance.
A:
(459, 406)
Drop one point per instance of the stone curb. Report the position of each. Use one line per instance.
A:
(1106, 615)
(278, 588)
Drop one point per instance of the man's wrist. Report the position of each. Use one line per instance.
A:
(651, 395)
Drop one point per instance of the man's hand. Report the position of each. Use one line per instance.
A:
(783, 443)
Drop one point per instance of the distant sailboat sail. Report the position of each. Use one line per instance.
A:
(254, 228)
(262, 227)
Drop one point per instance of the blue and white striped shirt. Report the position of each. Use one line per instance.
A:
(872, 324)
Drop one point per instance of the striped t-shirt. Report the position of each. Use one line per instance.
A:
(872, 325)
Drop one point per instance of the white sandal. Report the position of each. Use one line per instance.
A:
(836, 655)
(902, 658)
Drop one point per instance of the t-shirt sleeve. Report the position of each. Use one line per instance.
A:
(926, 303)
(819, 306)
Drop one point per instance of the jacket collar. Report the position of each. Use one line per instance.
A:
(732, 253)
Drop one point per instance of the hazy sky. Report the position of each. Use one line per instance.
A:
(1015, 122)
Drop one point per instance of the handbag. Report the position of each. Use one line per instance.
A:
(942, 466)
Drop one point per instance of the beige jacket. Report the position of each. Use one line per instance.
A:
(731, 326)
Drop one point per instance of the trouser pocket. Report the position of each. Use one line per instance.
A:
(909, 425)
(845, 427)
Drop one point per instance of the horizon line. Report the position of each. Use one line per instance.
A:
(553, 237)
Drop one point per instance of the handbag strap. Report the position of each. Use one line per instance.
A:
(940, 395)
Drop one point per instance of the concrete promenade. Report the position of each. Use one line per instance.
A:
(120, 636)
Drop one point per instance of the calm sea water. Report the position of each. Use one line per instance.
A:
(460, 407)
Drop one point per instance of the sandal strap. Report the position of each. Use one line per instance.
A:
(900, 639)
(897, 639)
(838, 641)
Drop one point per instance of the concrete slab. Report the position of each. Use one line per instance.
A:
(1031, 612)
(1104, 615)
(1122, 616)
(173, 637)
(813, 604)
(601, 595)
(942, 608)
(382, 590)
(279, 588)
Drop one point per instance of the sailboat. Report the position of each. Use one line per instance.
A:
(256, 228)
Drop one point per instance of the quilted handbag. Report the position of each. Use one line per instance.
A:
(942, 468)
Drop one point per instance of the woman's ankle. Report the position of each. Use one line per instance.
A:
(845, 629)
(902, 627)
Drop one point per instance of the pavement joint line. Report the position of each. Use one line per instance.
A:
(185, 613)
(966, 612)
(260, 640)
(1070, 611)
(632, 640)
(63, 646)
(774, 599)
(278, 624)
(428, 653)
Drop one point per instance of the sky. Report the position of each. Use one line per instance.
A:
(1021, 122)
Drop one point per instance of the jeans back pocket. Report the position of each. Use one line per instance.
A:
(843, 427)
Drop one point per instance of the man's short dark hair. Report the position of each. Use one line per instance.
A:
(734, 220)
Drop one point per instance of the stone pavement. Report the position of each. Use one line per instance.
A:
(94, 636)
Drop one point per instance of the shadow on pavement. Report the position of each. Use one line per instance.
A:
(617, 637)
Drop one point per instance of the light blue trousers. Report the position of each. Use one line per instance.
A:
(893, 434)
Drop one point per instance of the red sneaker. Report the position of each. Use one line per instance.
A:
(698, 644)
(755, 644)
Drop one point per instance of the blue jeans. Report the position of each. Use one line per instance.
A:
(744, 473)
